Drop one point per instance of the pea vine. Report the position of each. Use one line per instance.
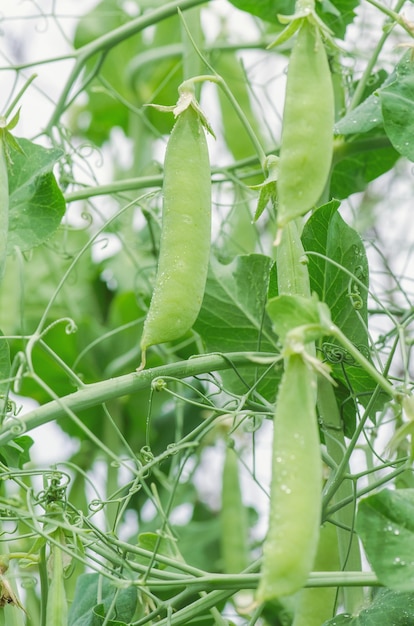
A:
(146, 489)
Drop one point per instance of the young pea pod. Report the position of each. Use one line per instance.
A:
(186, 234)
(307, 133)
(233, 518)
(295, 496)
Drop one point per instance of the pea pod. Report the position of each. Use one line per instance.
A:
(233, 518)
(295, 497)
(307, 133)
(186, 234)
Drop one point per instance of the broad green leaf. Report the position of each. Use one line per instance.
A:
(89, 588)
(362, 119)
(388, 608)
(267, 10)
(385, 524)
(338, 273)
(353, 173)
(36, 202)
(332, 275)
(367, 115)
(397, 102)
(233, 315)
(100, 613)
(17, 452)
(337, 14)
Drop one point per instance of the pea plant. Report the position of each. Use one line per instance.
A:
(207, 404)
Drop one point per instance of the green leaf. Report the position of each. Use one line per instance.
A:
(267, 10)
(388, 608)
(353, 173)
(233, 315)
(99, 611)
(339, 257)
(362, 119)
(36, 202)
(337, 14)
(342, 256)
(367, 115)
(91, 586)
(385, 524)
(16, 453)
(397, 101)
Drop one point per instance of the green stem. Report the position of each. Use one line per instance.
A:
(97, 393)
(350, 579)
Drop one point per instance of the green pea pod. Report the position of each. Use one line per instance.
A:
(307, 133)
(186, 234)
(295, 497)
(233, 518)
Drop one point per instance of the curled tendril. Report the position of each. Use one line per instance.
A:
(253, 423)
(17, 426)
(55, 492)
(158, 384)
(172, 448)
(364, 350)
(336, 354)
(71, 327)
(146, 454)
(96, 505)
(28, 582)
(87, 218)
